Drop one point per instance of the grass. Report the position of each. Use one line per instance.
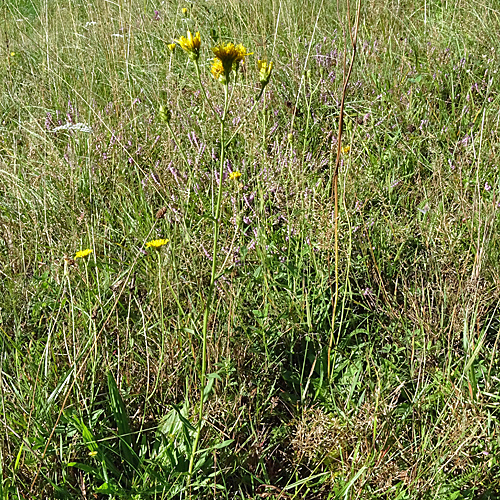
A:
(102, 370)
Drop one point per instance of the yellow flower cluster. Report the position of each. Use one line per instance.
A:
(345, 149)
(227, 58)
(83, 253)
(234, 175)
(156, 243)
(191, 45)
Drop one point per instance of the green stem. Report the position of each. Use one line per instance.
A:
(162, 327)
(208, 302)
(198, 75)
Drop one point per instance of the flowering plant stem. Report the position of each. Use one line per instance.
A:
(208, 301)
(335, 180)
(198, 76)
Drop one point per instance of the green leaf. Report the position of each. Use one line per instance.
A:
(106, 489)
(122, 422)
(223, 444)
(210, 384)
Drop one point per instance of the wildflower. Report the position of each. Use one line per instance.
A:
(12, 54)
(218, 70)
(230, 56)
(487, 187)
(171, 47)
(265, 69)
(345, 149)
(234, 175)
(185, 12)
(79, 127)
(191, 45)
(156, 243)
(83, 253)
(92, 453)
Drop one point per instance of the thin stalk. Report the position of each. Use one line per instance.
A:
(198, 76)
(162, 326)
(208, 302)
(335, 180)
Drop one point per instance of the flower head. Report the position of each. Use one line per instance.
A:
(171, 47)
(218, 70)
(230, 56)
(234, 175)
(265, 69)
(83, 253)
(156, 243)
(191, 45)
(345, 149)
(185, 11)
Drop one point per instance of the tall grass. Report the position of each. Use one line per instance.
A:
(102, 373)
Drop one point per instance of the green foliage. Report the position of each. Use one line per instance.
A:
(101, 356)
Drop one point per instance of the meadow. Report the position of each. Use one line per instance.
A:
(207, 291)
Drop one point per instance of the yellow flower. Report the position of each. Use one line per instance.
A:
(92, 453)
(171, 47)
(83, 253)
(230, 56)
(345, 149)
(217, 69)
(185, 11)
(234, 175)
(265, 69)
(191, 45)
(12, 54)
(156, 243)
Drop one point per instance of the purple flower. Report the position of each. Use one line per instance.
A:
(487, 187)
(48, 122)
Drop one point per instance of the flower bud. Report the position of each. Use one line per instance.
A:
(265, 69)
(164, 114)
